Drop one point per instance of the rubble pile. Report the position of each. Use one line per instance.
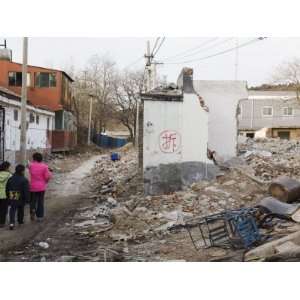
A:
(140, 224)
(271, 158)
(117, 222)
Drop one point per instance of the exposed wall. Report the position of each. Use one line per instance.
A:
(222, 99)
(174, 144)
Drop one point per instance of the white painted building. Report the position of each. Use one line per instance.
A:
(222, 97)
(40, 123)
(175, 137)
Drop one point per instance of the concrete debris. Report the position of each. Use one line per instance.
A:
(117, 222)
(277, 207)
(43, 245)
(288, 246)
(66, 258)
(271, 158)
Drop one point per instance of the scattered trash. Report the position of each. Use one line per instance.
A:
(115, 156)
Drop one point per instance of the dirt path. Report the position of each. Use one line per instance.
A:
(63, 195)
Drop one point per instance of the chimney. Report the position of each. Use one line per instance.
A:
(185, 81)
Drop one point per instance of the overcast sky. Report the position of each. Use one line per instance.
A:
(256, 62)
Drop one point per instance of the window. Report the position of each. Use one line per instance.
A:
(43, 79)
(16, 115)
(284, 135)
(15, 79)
(287, 111)
(31, 118)
(250, 135)
(267, 111)
(48, 123)
(37, 119)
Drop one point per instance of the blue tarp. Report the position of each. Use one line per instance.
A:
(108, 141)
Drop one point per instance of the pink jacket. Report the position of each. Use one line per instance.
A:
(39, 176)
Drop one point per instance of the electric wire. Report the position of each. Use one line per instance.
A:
(155, 45)
(208, 48)
(218, 53)
(162, 41)
(191, 49)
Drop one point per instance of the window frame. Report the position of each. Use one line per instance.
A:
(264, 115)
(287, 115)
(16, 115)
(37, 79)
(28, 84)
(31, 117)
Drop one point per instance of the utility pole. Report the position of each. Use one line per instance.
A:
(236, 66)
(149, 58)
(90, 120)
(23, 140)
(4, 44)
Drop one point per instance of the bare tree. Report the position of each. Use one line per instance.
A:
(288, 73)
(115, 96)
(127, 87)
(100, 72)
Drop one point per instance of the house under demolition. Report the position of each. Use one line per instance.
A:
(180, 125)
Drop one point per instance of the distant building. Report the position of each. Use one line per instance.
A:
(270, 114)
(40, 122)
(48, 89)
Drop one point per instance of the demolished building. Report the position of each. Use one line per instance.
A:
(184, 127)
(222, 98)
(174, 137)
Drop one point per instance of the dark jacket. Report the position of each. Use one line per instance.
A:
(17, 189)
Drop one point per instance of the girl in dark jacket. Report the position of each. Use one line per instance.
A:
(17, 191)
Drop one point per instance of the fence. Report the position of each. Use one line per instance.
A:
(108, 141)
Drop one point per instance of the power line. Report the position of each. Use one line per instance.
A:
(208, 48)
(191, 49)
(219, 53)
(134, 62)
(156, 42)
(162, 41)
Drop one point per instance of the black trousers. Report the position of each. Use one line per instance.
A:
(16, 207)
(3, 210)
(37, 204)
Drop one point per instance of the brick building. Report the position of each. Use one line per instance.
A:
(50, 89)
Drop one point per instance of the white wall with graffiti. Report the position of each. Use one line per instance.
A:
(175, 131)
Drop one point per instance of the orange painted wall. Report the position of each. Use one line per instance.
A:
(50, 98)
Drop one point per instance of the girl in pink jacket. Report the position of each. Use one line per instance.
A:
(39, 177)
